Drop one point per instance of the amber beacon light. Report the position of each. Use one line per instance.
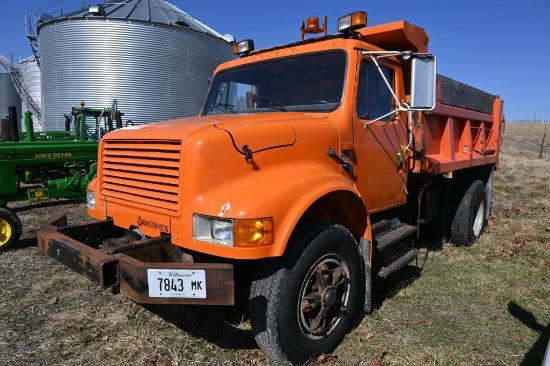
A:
(311, 26)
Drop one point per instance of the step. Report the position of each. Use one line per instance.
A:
(380, 227)
(393, 236)
(400, 262)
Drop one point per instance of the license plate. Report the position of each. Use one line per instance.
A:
(177, 283)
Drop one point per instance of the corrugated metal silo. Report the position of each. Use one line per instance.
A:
(148, 54)
(31, 76)
(8, 94)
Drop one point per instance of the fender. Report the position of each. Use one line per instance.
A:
(284, 192)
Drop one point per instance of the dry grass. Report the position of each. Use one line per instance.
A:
(483, 305)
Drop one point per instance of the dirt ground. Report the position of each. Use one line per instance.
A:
(33, 216)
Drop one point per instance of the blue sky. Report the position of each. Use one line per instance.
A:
(502, 47)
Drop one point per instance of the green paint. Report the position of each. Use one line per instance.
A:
(54, 164)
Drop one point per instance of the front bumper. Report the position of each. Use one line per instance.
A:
(99, 252)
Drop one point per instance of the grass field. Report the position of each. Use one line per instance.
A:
(488, 304)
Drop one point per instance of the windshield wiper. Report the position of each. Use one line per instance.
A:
(273, 104)
(228, 107)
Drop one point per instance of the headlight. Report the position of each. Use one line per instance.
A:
(232, 232)
(213, 230)
(90, 199)
(222, 231)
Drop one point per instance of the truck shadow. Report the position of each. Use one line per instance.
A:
(536, 354)
(224, 326)
(228, 327)
(384, 289)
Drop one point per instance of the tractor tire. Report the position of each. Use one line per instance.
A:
(10, 228)
(471, 215)
(303, 303)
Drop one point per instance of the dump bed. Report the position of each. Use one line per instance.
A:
(464, 129)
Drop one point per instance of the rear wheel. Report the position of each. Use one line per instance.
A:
(302, 304)
(10, 228)
(471, 216)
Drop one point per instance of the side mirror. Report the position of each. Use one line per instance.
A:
(423, 83)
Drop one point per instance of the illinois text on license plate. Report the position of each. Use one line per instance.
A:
(177, 283)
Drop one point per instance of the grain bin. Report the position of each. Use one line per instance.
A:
(151, 56)
(8, 94)
(31, 77)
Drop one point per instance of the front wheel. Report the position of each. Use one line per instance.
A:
(302, 304)
(10, 228)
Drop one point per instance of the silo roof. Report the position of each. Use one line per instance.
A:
(4, 64)
(154, 11)
(28, 59)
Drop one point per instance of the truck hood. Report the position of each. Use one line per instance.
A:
(254, 133)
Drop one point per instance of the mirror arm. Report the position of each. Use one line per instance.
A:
(400, 107)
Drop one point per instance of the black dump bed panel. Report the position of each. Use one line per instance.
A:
(457, 94)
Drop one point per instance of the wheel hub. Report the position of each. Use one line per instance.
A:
(329, 298)
(5, 232)
(478, 219)
(323, 297)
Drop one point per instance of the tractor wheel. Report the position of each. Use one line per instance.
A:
(302, 304)
(10, 228)
(470, 217)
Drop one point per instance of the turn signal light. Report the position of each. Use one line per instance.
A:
(251, 232)
(352, 22)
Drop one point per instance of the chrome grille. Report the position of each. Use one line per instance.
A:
(142, 171)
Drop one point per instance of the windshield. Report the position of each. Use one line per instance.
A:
(310, 83)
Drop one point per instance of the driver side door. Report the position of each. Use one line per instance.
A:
(379, 145)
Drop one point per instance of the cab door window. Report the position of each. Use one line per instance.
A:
(374, 99)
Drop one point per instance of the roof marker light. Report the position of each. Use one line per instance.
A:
(243, 48)
(352, 21)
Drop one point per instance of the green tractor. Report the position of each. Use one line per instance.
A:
(38, 166)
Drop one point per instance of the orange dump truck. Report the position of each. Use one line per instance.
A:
(312, 168)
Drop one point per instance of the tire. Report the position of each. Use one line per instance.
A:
(10, 228)
(470, 218)
(303, 303)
